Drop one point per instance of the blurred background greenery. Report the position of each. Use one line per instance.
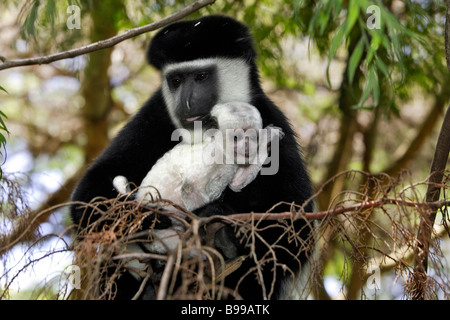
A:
(365, 89)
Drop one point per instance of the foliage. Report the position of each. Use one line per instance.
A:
(389, 221)
(388, 46)
(394, 46)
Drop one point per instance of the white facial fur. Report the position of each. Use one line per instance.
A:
(233, 81)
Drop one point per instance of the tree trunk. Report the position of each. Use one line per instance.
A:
(344, 148)
(438, 165)
(422, 248)
(96, 88)
(422, 135)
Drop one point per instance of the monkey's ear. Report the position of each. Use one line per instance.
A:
(274, 132)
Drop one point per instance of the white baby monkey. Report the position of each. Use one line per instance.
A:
(192, 175)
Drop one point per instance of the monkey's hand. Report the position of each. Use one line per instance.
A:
(274, 132)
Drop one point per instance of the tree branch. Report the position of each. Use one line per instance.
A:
(244, 217)
(438, 165)
(107, 43)
(323, 214)
(25, 227)
(447, 34)
(421, 250)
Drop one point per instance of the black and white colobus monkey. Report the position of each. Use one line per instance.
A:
(205, 62)
(195, 173)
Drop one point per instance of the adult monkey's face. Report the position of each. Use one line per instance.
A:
(191, 89)
(203, 62)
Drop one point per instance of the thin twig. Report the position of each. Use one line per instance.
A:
(143, 284)
(141, 256)
(162, 290)
(107, 43)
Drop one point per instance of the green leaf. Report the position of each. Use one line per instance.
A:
(327, 14)
(382, 67)
(30, 21)
(374, 83)
(365, 95)
(372, 87)
(51, 14)
(3, 89)
(374, 45)
(2, 123)
(335, 43)
(313, 22)
(352, 17)
(355, 58)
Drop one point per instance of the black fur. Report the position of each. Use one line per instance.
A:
(147, 137)
(144, 139)
(210, 36)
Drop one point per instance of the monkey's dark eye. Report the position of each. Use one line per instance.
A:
(201, 76)
(175, 82)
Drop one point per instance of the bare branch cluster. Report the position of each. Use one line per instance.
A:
(194, 270)
(374, 227)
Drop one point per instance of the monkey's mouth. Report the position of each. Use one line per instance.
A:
(196, 118)
(206, 120)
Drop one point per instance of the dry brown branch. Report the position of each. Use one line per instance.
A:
(197, 270)
(419, 282)
(427, 220)
(447, 34)
(363, 205)
(107, 43)
(26, 225)
(347, 217)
